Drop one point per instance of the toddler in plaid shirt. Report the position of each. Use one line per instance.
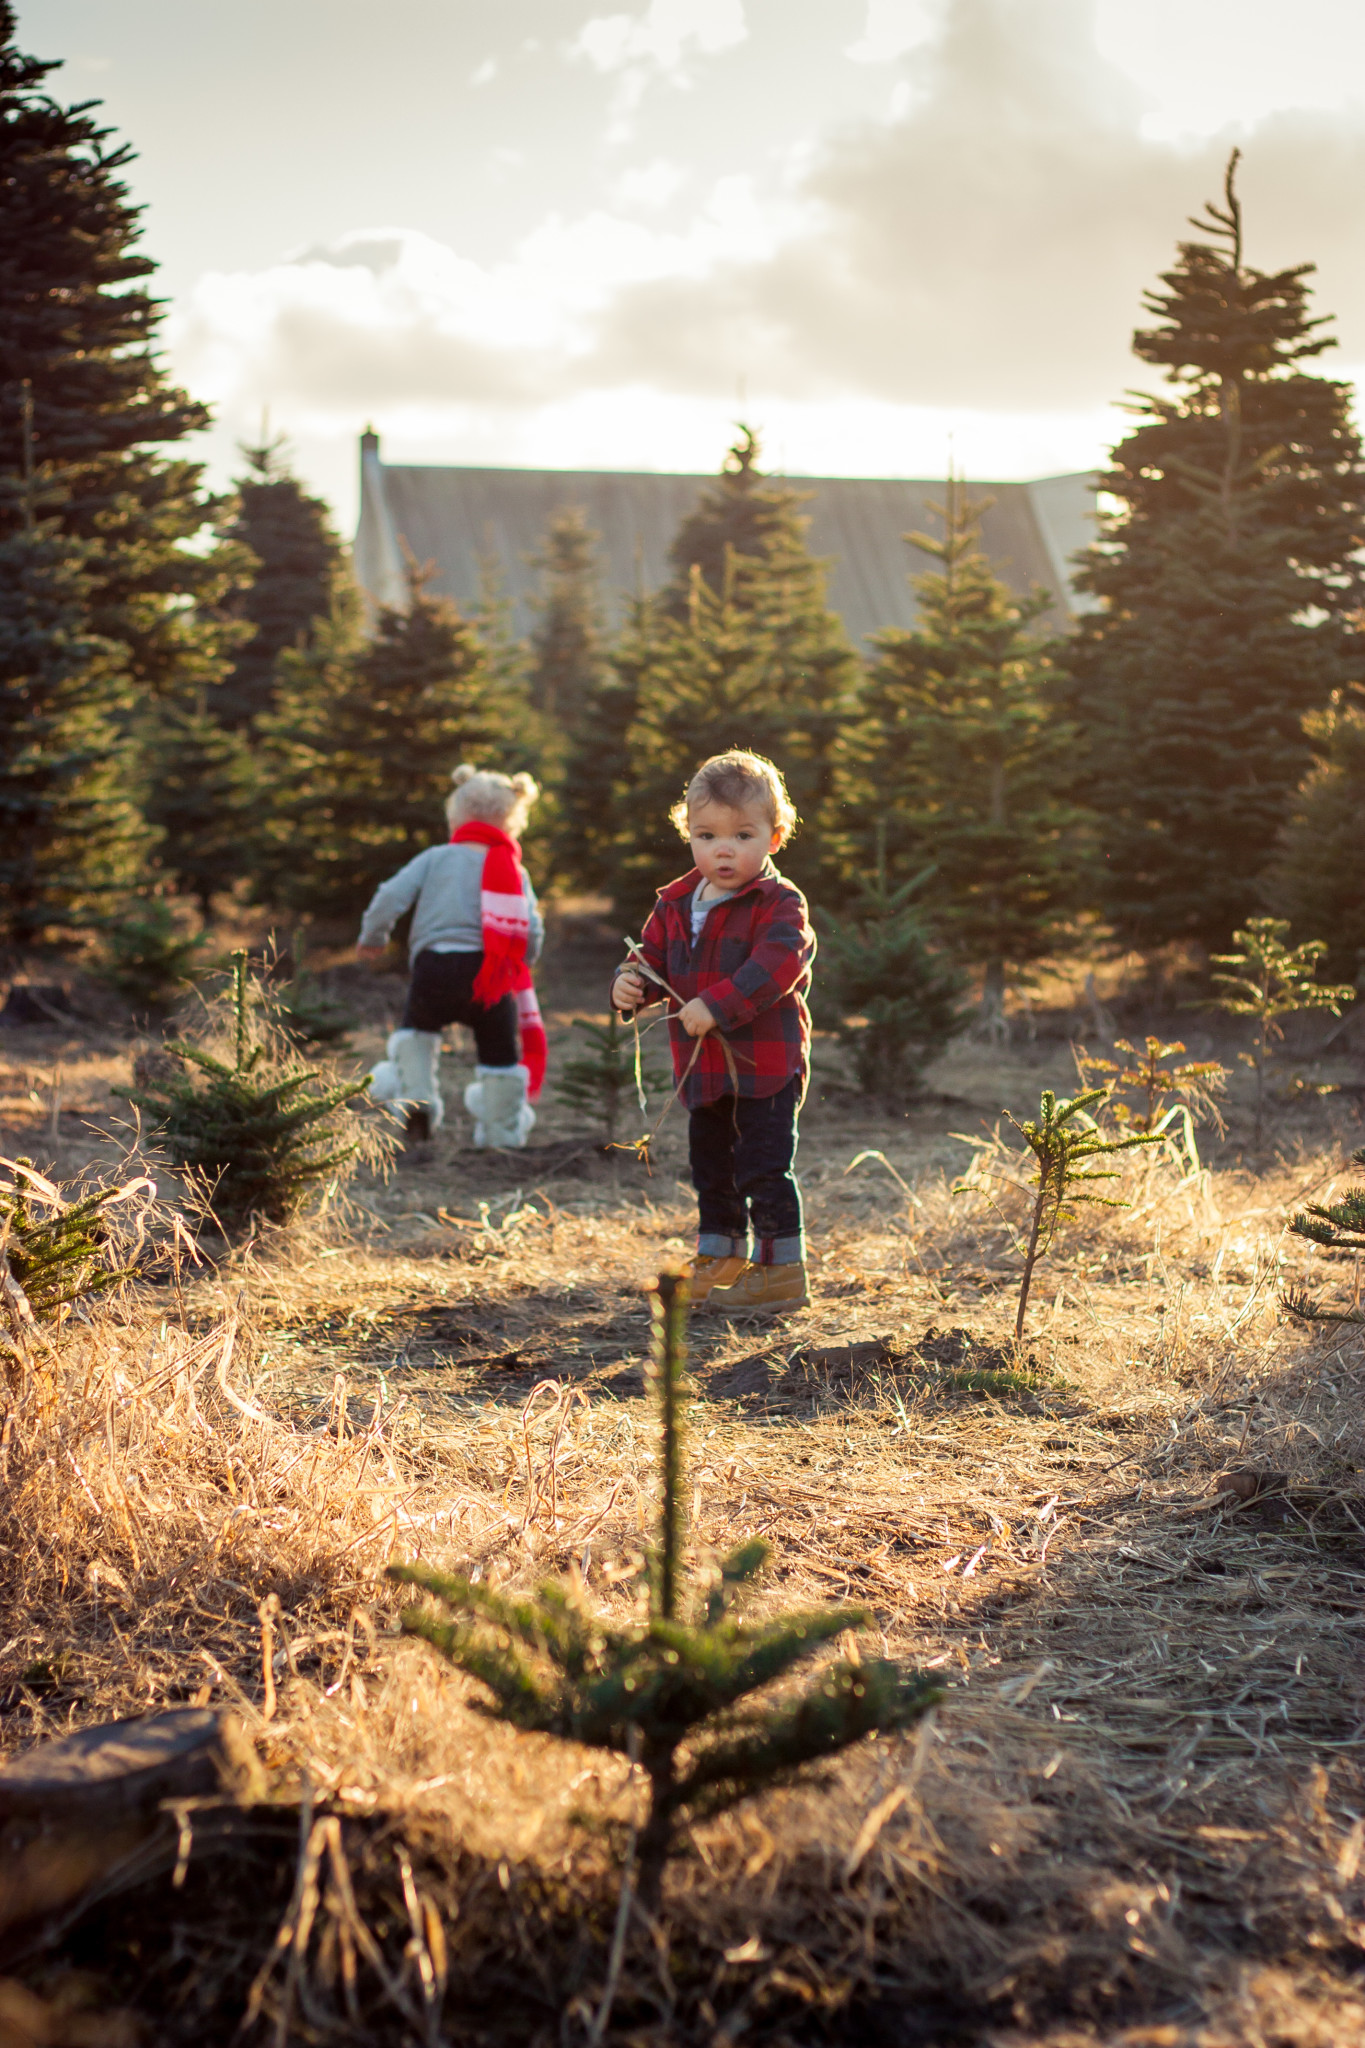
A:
(733, 939)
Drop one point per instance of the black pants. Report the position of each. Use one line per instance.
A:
(441, 992)
(742, 1151)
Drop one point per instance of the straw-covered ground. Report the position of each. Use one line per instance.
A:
(1136, 1817)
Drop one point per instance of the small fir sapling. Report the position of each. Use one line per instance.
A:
(1269, 979)
(149, 958)
(600, 1080)
(258, 1135)
(675, 1688)
(59, 1250)
(1336, 1226)
(896, 996)
(1061, 1139)
(1192, 1084)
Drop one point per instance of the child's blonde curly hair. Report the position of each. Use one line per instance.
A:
(494, 799)
(737, 778)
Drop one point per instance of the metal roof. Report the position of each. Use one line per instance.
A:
(452, 516)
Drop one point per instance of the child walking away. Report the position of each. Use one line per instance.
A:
(733, 941)
(476, 933)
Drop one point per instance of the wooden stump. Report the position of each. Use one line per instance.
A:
(74, 1809)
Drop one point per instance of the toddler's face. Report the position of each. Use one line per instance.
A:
(729, 844)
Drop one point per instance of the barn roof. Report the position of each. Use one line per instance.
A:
(453, 516)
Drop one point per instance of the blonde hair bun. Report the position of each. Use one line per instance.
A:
(490, 797)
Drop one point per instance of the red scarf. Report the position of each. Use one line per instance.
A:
(506, 917)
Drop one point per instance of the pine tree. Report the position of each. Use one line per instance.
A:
(594, 781)
(70, 839)
(356, 757)
(740, 650)
(894, 997)
(683, 1689)
(1315, 878)
(745, 513)
(1228, 584)
(567, 657)
(86, 413)
(754, 660)
(200, 785)
(299, 563)
(254, 1131)
(961, 757)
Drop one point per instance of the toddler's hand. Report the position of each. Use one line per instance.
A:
(628, 990)
(696, 1019)
(371, 955)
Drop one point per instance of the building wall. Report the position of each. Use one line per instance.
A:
(453, 516)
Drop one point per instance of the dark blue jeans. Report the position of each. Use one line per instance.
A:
(742, 1152)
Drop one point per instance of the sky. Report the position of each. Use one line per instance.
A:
(583, 234)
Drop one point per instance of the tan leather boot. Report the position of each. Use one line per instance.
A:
(708, 1272)
(765, 1290)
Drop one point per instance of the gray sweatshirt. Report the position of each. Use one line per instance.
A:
(446, 884)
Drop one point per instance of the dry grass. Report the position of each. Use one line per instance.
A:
(1137, 1817)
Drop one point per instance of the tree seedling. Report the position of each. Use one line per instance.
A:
(259, 1134)
(600, 1080)
(1062, 1138)
(1269, 980)
(1192, 1083)
(1339, 1227)
(896, 996)
(676, 1688)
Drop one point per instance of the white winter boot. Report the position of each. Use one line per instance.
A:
(497, 1102)
(409, 1074)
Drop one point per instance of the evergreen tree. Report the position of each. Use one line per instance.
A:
(70, 839)
(85, 410)
(752, 659)
(961, 758)
(299, 561)
(200, 782)
(594, 781)
(745, 513)
(1228, 584)
(1315, 878)
(356, 757)
(567, 643)
(893, 996)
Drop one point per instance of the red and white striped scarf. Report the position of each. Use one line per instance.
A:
(506, 918)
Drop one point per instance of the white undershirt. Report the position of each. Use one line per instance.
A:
(701, 910)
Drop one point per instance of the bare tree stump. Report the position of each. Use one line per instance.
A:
(74, 1809)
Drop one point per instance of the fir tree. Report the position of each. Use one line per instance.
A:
(70, 839)
(86, 414)
(600, 1079)
(1315, 878)
(961, 754)
(681, 1688)
(1270, 979)
(893, 995)
(1228, 584)
(566, 652)
(254, 1132)
(299, 563)
(357, 755)
(200, 783)
(744, 513)
(741, 650)
(596, 770)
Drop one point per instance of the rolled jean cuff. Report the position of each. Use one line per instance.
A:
(782, 1251)
(712, 1245)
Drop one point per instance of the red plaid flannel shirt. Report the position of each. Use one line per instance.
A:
(752, 966)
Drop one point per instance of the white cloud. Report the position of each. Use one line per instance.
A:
(649, 185)
(974, 264)
(892, 28)
(485, 73)
(659, 37)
